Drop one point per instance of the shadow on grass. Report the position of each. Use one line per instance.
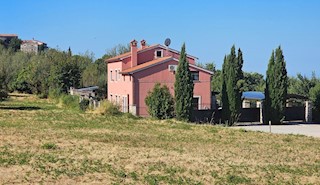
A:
(19, 95)
(19, 108)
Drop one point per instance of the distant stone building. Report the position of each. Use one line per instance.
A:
(32, 46)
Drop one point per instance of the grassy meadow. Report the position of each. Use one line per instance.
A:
(43, 143)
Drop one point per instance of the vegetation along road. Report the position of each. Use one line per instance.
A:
(41, 142)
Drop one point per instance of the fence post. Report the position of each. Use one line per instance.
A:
(308, 111)
(270, 126)
(261, 112)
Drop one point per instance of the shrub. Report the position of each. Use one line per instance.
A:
(54, 94)
(108, 108)
(84, 104)
(160, 102)
(3, 95)
(69, 101)
(315, 97)
(42, 96)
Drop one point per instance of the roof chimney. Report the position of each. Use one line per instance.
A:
(143, 44)
(134, 53)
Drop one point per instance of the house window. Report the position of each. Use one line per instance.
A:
(195, 75)
(111, 77)
(195, 103)
(119, 75)
(158, 53)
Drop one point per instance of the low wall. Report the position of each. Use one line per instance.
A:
(247, 115)
(250, 115)
(203, 116)
(295, 113)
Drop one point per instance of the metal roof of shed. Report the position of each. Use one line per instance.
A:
(253, 95)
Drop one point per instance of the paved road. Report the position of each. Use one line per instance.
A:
(303, 129)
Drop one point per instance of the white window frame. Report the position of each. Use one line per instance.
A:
(119, 77)
(156, 51)
(199, 101)
(111, 76)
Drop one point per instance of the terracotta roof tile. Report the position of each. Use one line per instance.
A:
(8, 35)
(124, 55)
(145, 65)
(118, 56)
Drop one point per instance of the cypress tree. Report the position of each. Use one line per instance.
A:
(269, 89)
(183, 88)
(232, 78)
(276, 88)
(224, 95)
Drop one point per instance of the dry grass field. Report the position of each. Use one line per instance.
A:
(45, 144)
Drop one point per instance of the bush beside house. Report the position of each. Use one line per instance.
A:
(160, 102)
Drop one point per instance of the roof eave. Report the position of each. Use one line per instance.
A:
(147, 67)
(200, 68)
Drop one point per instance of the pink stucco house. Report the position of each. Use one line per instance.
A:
(133, 74)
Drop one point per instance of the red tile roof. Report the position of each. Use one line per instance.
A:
(8, 35)
(125, 55)
(33, 41)
(146, 65)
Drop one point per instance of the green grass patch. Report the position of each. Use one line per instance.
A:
(42, 142)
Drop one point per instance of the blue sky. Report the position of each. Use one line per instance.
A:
(209, 28)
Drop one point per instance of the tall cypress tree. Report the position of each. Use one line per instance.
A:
(183, 88)
(231, 85)
(269, 89)
(224, 95)
(276, 88)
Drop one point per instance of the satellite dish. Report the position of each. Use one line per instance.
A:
(167, 42)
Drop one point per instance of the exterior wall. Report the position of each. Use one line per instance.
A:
(146, 79)
(29, 48)
(126, 63)
(149, 55)
(146, 56)
(137, 86)
(119, 87)
(202, 88)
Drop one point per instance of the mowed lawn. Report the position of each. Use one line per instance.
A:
(41, 142)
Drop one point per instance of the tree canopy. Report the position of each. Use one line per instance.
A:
(276, 88)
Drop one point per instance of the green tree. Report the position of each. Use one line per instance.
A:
(315, 97)
(224, 94)
(232, 82)
(160, 102)
(102, 77)
(90, 75)
(116, 50)
(276, 88)
(253, 82)
(302, 84)
(183, 88)
(14, 44)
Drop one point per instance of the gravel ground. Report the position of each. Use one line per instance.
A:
(311, 129)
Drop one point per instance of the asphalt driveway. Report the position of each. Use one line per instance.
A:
(308, 129)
